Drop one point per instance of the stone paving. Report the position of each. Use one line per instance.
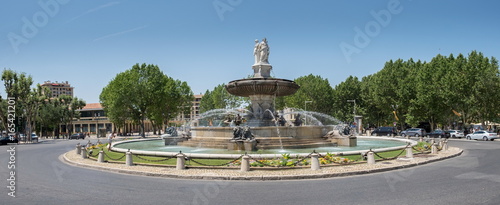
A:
(258, 174)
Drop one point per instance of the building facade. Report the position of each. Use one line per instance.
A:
(194, 113)
(93, 119)
(58, 88)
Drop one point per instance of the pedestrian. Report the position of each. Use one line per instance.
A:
(110, 139)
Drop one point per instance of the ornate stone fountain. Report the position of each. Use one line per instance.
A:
(266, 133)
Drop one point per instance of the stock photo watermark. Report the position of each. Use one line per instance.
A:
(207, 192)
(372, 29)
(31, 26)
(11, 128)
(223, 6)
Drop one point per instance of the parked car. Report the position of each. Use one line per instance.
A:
(456, 133)
(6, 139)
(482, 134)
(439, 134)
(417, 132)
(77, 136)
(384, 131)
(34, 137)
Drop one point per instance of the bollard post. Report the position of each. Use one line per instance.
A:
(409, 152)
(420, 139)
(434, 149)
(78, 149)
(128, 159)
(100, 158)
(315, 161)
(245, 163)
(84, 153)
(370, 157)
(181, 162)
(445, 145)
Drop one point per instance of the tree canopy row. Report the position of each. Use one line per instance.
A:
(26, 109)
(447, 91)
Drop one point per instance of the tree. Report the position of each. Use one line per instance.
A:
(70, 106)
(49, 115)
(144, 92)
(219, 98)
(350, 89)
(17, 86)
(312, 88)
(177, 100)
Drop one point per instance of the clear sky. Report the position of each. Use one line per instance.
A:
(210, 42)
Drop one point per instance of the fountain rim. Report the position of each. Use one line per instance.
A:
(261, 81)
(255, 156)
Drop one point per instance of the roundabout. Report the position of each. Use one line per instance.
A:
(471, 178)
(225, 173)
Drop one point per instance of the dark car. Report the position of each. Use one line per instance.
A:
(77, 136)
(439, 134)
(6, 139)
(384, 131)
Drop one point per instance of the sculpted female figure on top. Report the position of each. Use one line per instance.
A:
(261, 52)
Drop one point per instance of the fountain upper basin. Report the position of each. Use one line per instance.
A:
(262, 86)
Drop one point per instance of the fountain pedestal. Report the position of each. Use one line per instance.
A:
(262, 70)
(350, 141)
(243, 145)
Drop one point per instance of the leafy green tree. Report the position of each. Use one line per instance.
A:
(18, 86)
(372, 115)
(70, 106)
(144, 92)
(219, 98)
(312, 88)
(346, 91)
(177, 99)
(49, 116)
(484, 84)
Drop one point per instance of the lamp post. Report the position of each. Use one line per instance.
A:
(305, 109)
(354, 114)
(97, 124)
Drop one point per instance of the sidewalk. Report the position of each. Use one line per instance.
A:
(281, 174)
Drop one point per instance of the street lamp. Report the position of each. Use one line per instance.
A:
(97, 124)
(305, 109)
(354, 114)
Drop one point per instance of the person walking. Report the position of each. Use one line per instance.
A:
(110, 139)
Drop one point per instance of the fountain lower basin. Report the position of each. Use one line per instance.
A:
(156, 147)
(267, 137)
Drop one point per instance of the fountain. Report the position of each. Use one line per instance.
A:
(261, 120)
(260, 131)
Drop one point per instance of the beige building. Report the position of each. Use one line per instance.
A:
(93, 118)
(195, 112)
(59, 88)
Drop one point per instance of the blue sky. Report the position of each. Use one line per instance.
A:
(210, 42)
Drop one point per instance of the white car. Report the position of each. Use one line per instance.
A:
(482, 134)
(456, 133)
(34, 137)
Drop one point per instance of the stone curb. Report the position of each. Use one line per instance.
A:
(256, 178)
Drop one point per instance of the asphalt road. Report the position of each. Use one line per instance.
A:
(41, 178)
